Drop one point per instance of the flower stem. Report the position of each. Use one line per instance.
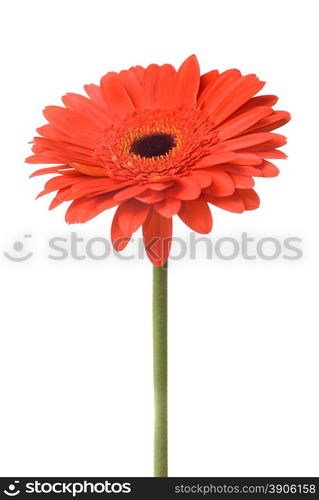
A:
(160, 369)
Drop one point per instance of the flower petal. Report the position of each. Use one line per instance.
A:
(242, 122)
(130, 192)
(232, 203)
(242, 181)
(157, 232)
(116, 96)
(251, 140)
(89, 170)
(196, 214)
(84, 209)
(275, 120)
(119, 239)
(74, 125)
(131, 215)
(165, 88)
(185, 188)
(215, 159)
(222, 184)
(168, 207)
(133, 88)
(187, 82)
(250, 198)
(151, 196)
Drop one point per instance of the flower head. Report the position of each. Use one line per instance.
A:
(157, 142)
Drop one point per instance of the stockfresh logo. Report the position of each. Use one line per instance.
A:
(66, 487)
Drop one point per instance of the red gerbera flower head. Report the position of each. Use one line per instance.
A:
(157, 142)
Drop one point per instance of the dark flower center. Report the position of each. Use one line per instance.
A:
(152, 145)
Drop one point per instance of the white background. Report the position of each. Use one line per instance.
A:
(76, 372)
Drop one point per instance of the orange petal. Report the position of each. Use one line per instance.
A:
(165, 88)
(187, 82)
(168, 207)
(84, 209)
(151, 196)
(185, 188)
(207, 79)
(242, 122)
(73, 124)
(248, 86)
(130, 192)
(119, 239)
(232, 203)
(196, 215)
(250, 198)
(215, 159)
(116, 96)
(157, 232)
(131, 215)
(90, 170)
(251, 140)
(51, 170)
(149, 86)
(218, 89)
(133, 88)
(242, 181)
(222, 184)
(275, 120)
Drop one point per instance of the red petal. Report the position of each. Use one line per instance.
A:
(116, 96)
(185, 188)
(207, 79)
(97, 185)
(73, 124)
(96, 95)
(215, 159)
(242, 181)
(218, 88)
(222, 184)
(232, 203)
(168, 207)
(187, 82)
(151, 196)
(158, 186)
(260, 100)
(271, 153)
(131, 215)
(84, 209)
(87, 108)
(246, 88)
(90, 170)
(250, 198)
(242, 122)
(51, 170)
(268, 169)
(243, 158)
(149, 86)
(252, 140)
(276, 120)
(133, 88)
(157, 232)
(203, 177)
(196, 215)
(119, 239)
(139, 72)
(165, 88)
(130, 192)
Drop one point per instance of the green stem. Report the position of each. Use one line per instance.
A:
(160, 369)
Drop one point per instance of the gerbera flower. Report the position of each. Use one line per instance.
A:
(157, 142)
